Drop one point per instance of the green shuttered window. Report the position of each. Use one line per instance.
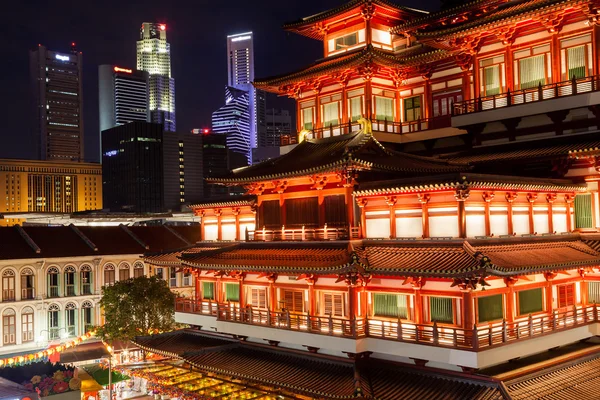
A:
(390, 305)
(532, 72)
(531, 301)
(492, 80)
(232, 292)
(208, 290)
(583, 211)
(576, 60)
(384, 108)
(593, 292)
(355, 108)
(441, 309)
(489, 308)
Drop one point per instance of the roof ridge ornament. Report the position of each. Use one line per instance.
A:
(366, 126)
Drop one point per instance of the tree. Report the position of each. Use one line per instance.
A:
(137, 306)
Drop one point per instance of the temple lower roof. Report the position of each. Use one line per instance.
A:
(434, 258)
(357, 151)
(318, 375)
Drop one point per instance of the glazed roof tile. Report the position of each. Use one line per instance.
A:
(229, 201)
(444, 258)
(575, 379)
(177, 343)
(505, 14)
(320, 376)
(416, 55)
(343, 10)
(474, 181)
(358, 150)
(297, 257)
(174, 257)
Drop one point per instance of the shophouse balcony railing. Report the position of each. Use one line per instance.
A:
(27, 294)
(525, 96)
(8, 295)
(481, 337)
(303, 233)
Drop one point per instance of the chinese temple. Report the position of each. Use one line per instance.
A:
(441, 205)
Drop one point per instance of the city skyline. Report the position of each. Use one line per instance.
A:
(107, 37)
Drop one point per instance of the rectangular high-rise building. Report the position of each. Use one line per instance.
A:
(122, 95)
(56, 82)
(240, 75)
(154, 56)
(182, 170)
(233, 121)
(132, 171)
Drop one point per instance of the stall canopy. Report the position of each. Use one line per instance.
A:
(88, 384)
(84, 352)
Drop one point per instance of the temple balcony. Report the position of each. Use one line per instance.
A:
(551, 98)
(303, 234)
(483, 346)
(394, 132)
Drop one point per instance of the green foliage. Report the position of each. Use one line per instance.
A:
(137, 306)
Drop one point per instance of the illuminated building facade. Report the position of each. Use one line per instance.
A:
(154, 57)
(49, 186)
(56, 83)
(123, 96)
(234, 121)
(345, 246)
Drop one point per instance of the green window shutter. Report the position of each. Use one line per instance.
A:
(492, 80)
(390, 305)
(576, 60)
(355, 108)
(532, 71)
(583, 211)
(441, 310)
(593, 292)
(232, 292)
(208, 290)
(385, 108)
(490, 308)
(531, 301)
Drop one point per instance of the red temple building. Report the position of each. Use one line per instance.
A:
(441, 205)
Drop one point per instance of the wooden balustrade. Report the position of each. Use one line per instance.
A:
(303, 233)
(479, 338)
(524, 96)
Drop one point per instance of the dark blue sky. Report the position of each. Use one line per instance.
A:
(106, 32)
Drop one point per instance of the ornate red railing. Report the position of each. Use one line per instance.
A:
(303, 233)
(481, 337)
(525, 96)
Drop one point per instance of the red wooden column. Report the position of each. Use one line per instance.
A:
(362, 202)
(555, 54)
(550, 198)
(321, 200)
(219, 290)
(349, 199)
(461, 195)
(312, 298)
(510, 198)
(241, 289)
(272, 292)
(424, 199)
(282, 208)
(343, 81)
(549, 276)
(488, 197)
(197, 284)
(468, 310)
(510, 69)
(569, 200)
(510, 299)
(218, 213)
(391, 202)
(583, 287)
(236, 212)
(202, 228)
(417, 285)
(317, 89)
(531, 198)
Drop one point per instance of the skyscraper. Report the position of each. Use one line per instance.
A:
(233, 120)
(123, 96)
(58, 99)
(240, 75)
(154, 56)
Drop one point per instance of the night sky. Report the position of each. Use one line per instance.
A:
(106, 32)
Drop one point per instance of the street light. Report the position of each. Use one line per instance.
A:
(109, 372)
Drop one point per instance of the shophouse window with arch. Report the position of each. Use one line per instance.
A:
(86, 280)
(70, 280)
(87, 312)
(53, 277)
(27, 324)
(9, 326)
(53, 322)
(138, 269)
(124, 272)
(109, 275)
(27, 284)
(8, 285)
(71, 319)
